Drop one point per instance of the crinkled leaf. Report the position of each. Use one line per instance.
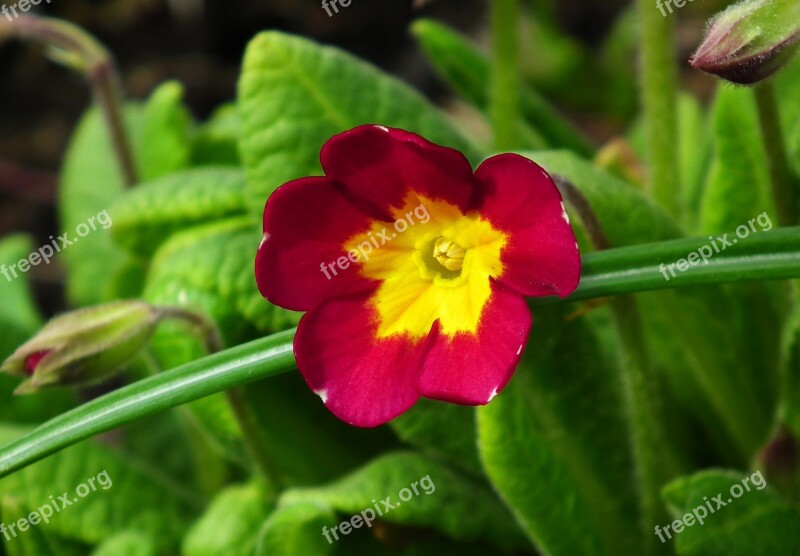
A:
(448, 501)
(138, 498)
(230, 524)
(295, 94)
(165, 146)
(758, 523)
(145, 217)
(127, 543)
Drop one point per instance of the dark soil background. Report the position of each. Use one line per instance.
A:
(200, 43)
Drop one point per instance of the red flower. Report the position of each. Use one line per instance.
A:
(412, 270)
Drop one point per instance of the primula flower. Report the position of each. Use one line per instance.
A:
(412, 270)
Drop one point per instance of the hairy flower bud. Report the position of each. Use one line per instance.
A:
(84, 346)
(750, 41)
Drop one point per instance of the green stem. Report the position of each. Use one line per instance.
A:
(80, 51)
(504, 97)
(240, 365)
(765, 256)
(659, 89)
(783, 189)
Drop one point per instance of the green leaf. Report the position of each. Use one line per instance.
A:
(149, 215)
(127, 543)
(19, 317)
(229, 526)
(91, 183)
(738, 186)
(626, 215)
(467, 70)
(445, 500)
(299, 431)
(441, 429)
(37, 540)
(757, 523)
(554, 444)
(296, 530)
(165, 146)
(216, 142)
(126, 495)
(295, 94)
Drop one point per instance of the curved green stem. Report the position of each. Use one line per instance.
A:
(240, 365)
(764, 256)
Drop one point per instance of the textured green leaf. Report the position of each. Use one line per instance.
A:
(127, 543)
(296, 530)
(148, 215)
(137, 498)
(449, 502)
(738, 186)
(295, 94)
(758, 523)
(90, 184)
(626, 215)
(165, 146)
(216, 142)
(299, 432)
(37, 540)
(441, 429)
(230, 524)
(554, 445)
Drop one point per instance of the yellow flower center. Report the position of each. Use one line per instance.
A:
(449, 254)
(435, 266)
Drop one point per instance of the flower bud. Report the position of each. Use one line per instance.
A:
(84, 346)
(750, 41)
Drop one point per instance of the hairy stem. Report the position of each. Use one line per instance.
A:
(504, 98)
(75, 48)
(783, 188)
(659, 91)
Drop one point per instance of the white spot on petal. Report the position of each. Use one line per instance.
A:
(323, 394)
(263, 241)
(383, 127)
(492, 395)
(564, 214)
(520, 349)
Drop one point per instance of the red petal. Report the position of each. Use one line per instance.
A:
(471, 369)
(362, 380)
(519, 197)
(306, 223)
(33, 361)
(383, 166)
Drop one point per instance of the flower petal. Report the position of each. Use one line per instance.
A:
(384, 167)
(471, 369)
(518, 197)
(362, 380)
(306, 224)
